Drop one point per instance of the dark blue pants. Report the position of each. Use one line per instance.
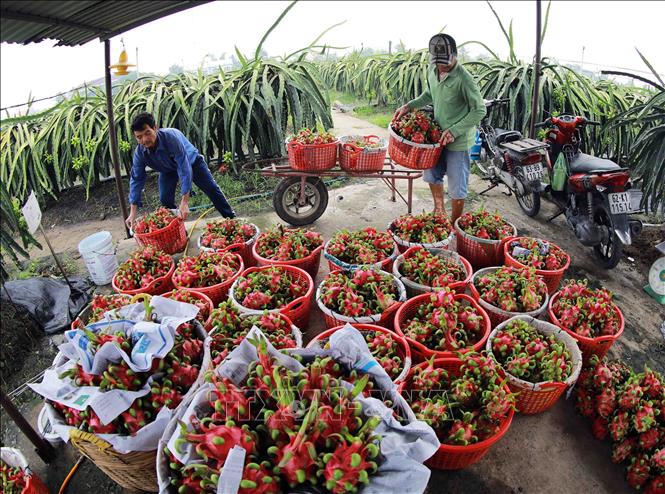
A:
(203, 179)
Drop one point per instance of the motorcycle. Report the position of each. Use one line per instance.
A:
(506, 157)
(594, 193)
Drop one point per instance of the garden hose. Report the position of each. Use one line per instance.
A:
(191, 230)
(65, 483)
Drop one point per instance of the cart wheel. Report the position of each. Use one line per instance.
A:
(288, 206)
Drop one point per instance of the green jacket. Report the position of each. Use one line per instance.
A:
(458, 105)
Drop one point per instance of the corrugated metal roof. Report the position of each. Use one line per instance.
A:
(77, 22)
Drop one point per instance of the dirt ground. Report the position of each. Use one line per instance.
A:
(553, 452)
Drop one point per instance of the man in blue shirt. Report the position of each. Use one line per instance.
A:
(175, 158)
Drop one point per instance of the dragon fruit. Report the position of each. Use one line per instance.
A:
(585, 311)
(287, 244)
(274, 286)
(366, 246)
(638, 471)
(364, 292)
(206, 269)
(512, 289)
(147, 261)
(223, 233)
(537, 253)
(483, 224)
(348, 466)
(425, 228)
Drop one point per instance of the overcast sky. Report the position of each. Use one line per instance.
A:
(607, 31)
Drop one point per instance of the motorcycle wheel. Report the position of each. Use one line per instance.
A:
(610, 249)
(483, 164)
(286, 200)
(530, 203)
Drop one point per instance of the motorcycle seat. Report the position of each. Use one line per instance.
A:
(585, 163)
(501, 136)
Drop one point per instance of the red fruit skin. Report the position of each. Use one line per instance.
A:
(599, 428)
(656, 485)
(638, 471)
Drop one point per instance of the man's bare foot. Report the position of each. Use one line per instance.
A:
(439, 210)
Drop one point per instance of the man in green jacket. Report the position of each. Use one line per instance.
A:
(458, 108)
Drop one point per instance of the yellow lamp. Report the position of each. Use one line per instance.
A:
(122, 65)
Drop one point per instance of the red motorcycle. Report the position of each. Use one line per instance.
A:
(594, 193)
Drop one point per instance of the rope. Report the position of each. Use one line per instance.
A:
(191, 230)
(65, 483)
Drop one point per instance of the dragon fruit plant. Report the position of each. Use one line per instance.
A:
(366, 246)
(537, 253)
(525, 353)
(328, 442)
(187, 297)
(172, 376)
(483, 224)
(208, 268)
(364, 292)
(463, 408)
(417, 127)
(225, 232)
(230, 328)
(103, 303)
(425, 228)
(512, 289)
(443, 323)
(270, 288)
(425, 268)
(629, 408)
(12, 479)
(287, 244)
(308, 136)
(585, 311)
(142, 268)
(154, 221)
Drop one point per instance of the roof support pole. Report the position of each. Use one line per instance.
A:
(536, 76)
(113, 138)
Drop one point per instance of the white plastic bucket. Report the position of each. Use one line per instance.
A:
(99, 256)
(45, 430)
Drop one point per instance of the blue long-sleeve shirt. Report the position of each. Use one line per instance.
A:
(173, 153)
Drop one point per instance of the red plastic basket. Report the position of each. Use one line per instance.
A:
(448, 456)
(552, 278)
(420, 352)
(497, 315)
(217, 293)
(414, 288)
(385, 319)
(158, 286)
(207, 324)
(298, 310)
(403, 350)
(412, 155)
(533, 398)
(170, 239)
(354, 159)
(589, 346)
(309, 263)
(481, 253)
(312, 157)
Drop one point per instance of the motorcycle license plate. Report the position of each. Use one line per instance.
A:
(533, 172)
(619, 202)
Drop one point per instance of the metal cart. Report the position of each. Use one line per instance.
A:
(301, 197)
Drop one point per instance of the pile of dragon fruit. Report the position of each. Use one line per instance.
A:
(365, 246)
(222, 233)
(512, 289)
(327, 441)
(360, 293)
(13, 479)
(142, 268)
(483, 224)
(101, 304)
(537, 253)
(463, 407)
(188, 297)
(629, 408)
(172, 377)
(287, 244)
(207, 269)
(444, 323)
(425, 268)
(229, 328)
(270, 288)
(417, 127)
(308, 136)
(525, 353)
(586, 311)
(154, 221)
(424, 228)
